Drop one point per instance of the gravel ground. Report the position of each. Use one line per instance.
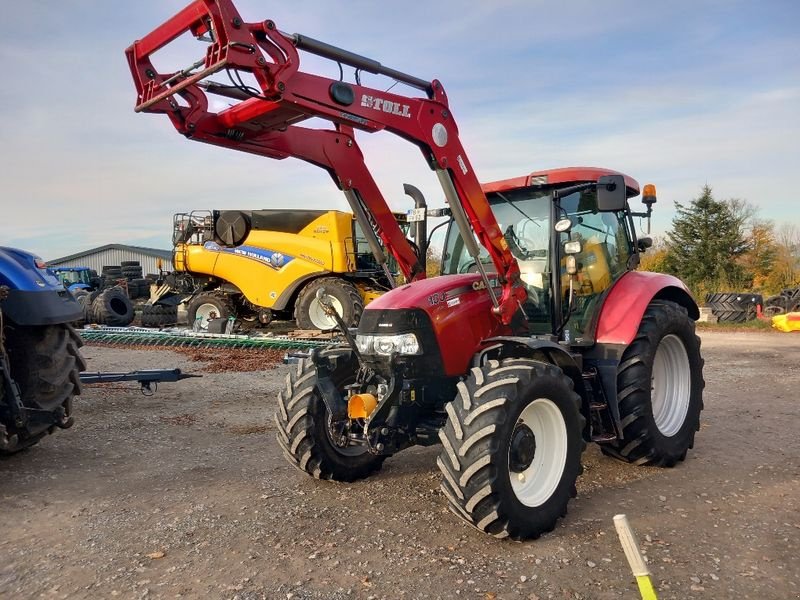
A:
(186, 494)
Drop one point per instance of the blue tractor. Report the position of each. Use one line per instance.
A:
(77, 278)
(40, 360)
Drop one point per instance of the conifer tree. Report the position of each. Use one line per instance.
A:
(706, 240)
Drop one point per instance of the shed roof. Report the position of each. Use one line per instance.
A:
(165, 254)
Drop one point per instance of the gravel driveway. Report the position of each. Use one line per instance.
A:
(186, 494)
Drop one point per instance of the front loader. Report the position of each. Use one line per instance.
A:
(539, 335)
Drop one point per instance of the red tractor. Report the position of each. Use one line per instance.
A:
(539, 335)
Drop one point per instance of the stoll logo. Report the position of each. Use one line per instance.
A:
(393, 108)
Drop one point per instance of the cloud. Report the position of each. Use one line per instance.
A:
(532, 84)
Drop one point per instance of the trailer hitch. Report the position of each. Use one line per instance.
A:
(148, 379)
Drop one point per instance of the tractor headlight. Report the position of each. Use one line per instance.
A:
(386, 345)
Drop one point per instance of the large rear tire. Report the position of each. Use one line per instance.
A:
(512, 448)
(308, 312)
(45, 362)
(303, 425)
(113, 307)
(659, 389)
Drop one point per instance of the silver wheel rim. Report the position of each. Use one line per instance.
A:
(318, 317)
(671, 385)
(206, 312)
(536, 484)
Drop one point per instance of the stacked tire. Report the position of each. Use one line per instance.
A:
(111, 275)
(111, 307)
(785, 302)
(139, 288)
(734, 307)
(156, 315)
(131, 269)
(85, 300)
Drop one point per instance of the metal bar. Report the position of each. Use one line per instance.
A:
(460, 217)
(370, 65)
(147, 375)
(354, 200)
(171, 29)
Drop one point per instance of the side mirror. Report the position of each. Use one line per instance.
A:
(611, 194)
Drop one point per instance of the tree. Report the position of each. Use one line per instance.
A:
(785, 272)
(706, 241)
(759, 259)
(655, 258)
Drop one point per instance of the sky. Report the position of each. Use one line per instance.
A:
(679, 94)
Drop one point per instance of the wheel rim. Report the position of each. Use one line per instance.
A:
(343, 447)
(206, 312)
(317, 315)
(540, 431)
(671, 385)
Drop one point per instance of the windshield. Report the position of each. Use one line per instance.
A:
(524, 219)
(70, 277)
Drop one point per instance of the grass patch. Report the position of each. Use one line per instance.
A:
(754, 325)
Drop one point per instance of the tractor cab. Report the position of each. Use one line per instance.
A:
(569, 248)
(75, 278)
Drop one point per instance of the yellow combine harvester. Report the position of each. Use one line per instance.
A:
(261, 264)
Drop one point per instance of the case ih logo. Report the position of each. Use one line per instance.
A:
(393, 108)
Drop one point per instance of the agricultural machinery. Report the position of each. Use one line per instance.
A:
(539, 335)
(40, 361)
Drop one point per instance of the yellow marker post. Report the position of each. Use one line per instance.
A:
(635, 558)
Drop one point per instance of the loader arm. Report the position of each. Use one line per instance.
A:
(286, 96)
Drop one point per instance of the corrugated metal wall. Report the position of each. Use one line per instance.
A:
(114, 256)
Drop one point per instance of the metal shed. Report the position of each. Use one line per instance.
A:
(114, 254)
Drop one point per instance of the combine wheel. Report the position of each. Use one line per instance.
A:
(206, 307)
(512, 448)
(308, 312)
(304, 427)
(659, 389)
(45, 362)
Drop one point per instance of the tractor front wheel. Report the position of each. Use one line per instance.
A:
(512, 448)
(45, 362)
(659, 389)
(310, 441)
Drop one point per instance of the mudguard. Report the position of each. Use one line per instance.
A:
(627, 300)
(35, 295)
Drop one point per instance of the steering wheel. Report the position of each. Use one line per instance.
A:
(470, 267)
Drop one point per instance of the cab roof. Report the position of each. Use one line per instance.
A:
(559, 176)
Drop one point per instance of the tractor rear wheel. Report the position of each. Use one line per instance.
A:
(659, 389)
(512, 448)
(304, 425)
(308, 312)
(45, 362)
